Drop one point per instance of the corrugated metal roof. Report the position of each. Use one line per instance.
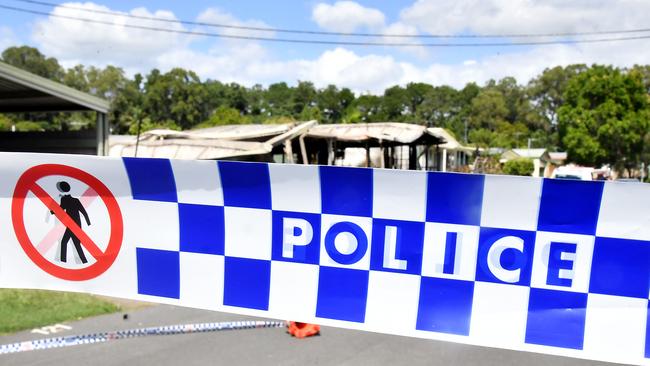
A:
(452, 143)
(530, 153)
(225, 141)
(197, 145)
(121, 146)
(227, 132)
(404, 133)
(22, 91)
(241, 132)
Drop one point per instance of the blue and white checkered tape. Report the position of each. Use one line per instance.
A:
(552, 266)
(90, 338)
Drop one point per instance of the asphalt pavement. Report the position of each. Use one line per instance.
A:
(256, 346)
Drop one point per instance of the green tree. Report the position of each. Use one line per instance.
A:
(511, 135)
(236, 96)
(513, 96)
(279, 97)
(483, 137)
(32, 60)
(488, 109)
(75, 77)
(257, 104)
(439, 107)
(177, 95)
(546, 91)
(333, 102)
(520, 166)
(148, 125)
(5, 123)
(310, 113)
(644, 73)
(416, 94)
(396, 103)
(126, 108)
(225, 116)
(30, 126)
(215, 94)
(304, 96)
(459, 123)
(279, 120)
(366, 108)
(605, 118)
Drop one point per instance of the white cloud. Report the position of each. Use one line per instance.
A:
(347, 16)
(373, 73)
(525, 65)
(249, 62)
(342, 67)
(525, 16)
(218, 16)
(226, 63)
(7, 38)
(81, 42)
(401, 29)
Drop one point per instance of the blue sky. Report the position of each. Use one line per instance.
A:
(364, 69)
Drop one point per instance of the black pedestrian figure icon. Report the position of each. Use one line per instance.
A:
(73, 207)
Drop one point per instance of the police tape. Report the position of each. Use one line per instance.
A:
(551, 266)
(76, 340)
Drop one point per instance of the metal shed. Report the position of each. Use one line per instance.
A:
(22, 91)
(384, 144)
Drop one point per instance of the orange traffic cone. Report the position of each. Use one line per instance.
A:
(303, 330)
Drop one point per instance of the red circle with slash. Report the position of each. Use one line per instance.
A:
(103, 259)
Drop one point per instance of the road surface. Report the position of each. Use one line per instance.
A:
(256, 346)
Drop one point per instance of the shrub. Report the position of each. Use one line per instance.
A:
(521, 166)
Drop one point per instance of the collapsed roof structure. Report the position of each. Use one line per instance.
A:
(242, 142)
(390, 144)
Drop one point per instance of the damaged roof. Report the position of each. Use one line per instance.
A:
(375, 133)
(218, 143)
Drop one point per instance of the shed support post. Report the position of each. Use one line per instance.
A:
(437, 159)
(303, 150)
(413, 157)
(330, 152)
(426, 157)
(102, 134)
(444, 160)
(368, 164)
(288, 151)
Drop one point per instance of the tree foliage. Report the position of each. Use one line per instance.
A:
(520, 166)
(225, 116)
(599, 114)
(605, 117)
(32, 60)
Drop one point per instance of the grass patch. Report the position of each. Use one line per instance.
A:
(25, 309)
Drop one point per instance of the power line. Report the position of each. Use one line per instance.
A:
(328, 42)
(346, 34)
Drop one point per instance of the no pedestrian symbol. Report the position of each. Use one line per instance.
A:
(69, 214)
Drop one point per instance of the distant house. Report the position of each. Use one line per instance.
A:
(540, 157)
(452, 155)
